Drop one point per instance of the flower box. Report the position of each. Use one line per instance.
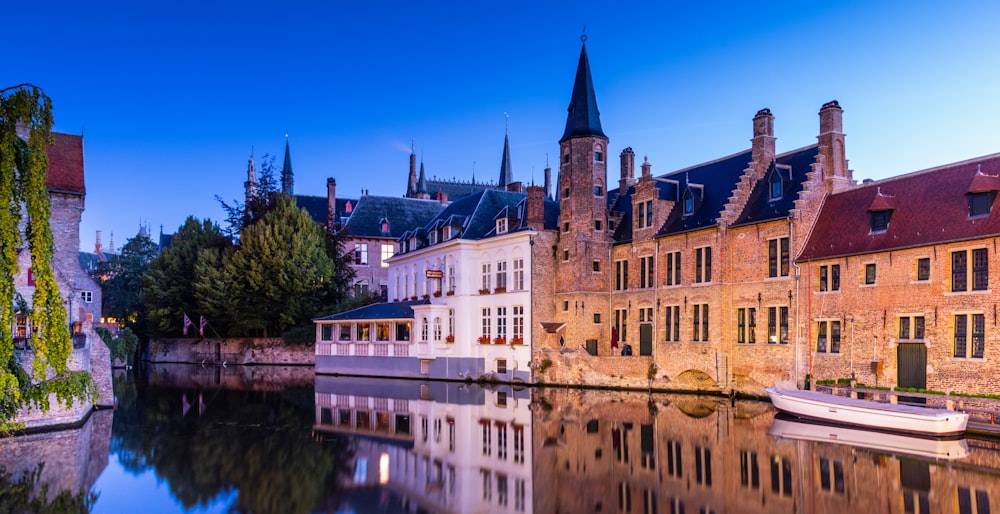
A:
(499, 340)
(437, 294)
(517, 340)
(427, 297)
(450, 293)
(450, 339)
(414, 298)
(500, 290)
(483, 340)
(484, 291)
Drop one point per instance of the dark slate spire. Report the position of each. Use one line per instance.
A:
(422, 181)
(506, 175)
(287, 180)
(583, 118)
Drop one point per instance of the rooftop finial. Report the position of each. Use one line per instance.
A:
(583, 35)
(506, 120)
(412, 146)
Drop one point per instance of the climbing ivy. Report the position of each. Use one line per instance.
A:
(25, 133)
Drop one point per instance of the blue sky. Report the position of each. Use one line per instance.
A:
(172, 96)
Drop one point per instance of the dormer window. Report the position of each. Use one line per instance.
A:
(692, 198)
(880, 211)
(502, 226)
(447, 233)
(780, 176)
(434, 237)
(776, 189)
(688, 202)
(980, 204)
(384, 226)
(880, 220)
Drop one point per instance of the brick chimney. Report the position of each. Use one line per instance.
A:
(647, 172)
(836, 175)
(535, 216)
(762, 144)
(443, 196)
(515, 187)
(331, 204)
(628, 170)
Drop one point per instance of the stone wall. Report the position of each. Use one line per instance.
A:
(231, 351)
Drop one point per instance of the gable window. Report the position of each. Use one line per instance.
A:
(384, 226)
(828, 336)
(879, 220)
(361, 254)
(688, 202)
(776, 189)
(700, 322)
(502, 226)
(777, 257)
(673, 323)
(924, 269)
(981, 203)
(911, 328)
(829, 277)
(777, 325)
(870, 273)
(746, 325)
(961, 275)
(674, 268)
(621, 275)
(644, 218)
(433, 237)
(969, 326)
(703, 264)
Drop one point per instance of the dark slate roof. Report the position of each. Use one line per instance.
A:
(929, 207)
(316, 207)
(65, 173)
(376, 311)
(759, 206)
(583, 118)
(402, 214)
(89, 261)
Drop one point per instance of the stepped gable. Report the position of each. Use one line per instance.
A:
(928, 207)
(65, 173)
(759, 207)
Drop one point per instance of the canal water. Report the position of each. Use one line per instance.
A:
(281, 440)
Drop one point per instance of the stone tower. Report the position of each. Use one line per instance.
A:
(411, 181)
(582, 252)
(250, 186)
(836, 175)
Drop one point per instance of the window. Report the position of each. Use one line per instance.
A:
(870, 273)
(345, 332)
(387, 251)
(326, 333)
(700, 322)
(831, 478)
(598, 191)
(776, 189)
(501, 283)
(749, 471)
(980, 203)
(973, 501)
(646, 272)
(451, 323)
(433, 237)
(565, 305)
(502, 226)
(960, 276)
(598, 155)
(361, 254)
(621, 323)
(621, 275)
(566, 226)
(645, 314)
(777, 325)
(746, 325)
(703, 264)
(649, 213)
(675, 466)
(703, 466)
(518, 321)
(597, 317)
(597, 266)
(673, 323)
(828, 336)
(597, 225)
(451, 278)
(674, 268)
(640, 216)
(487, 320)
(688, 202)
(911, 328)
(970, 326)
(777, 257)
(880, 220)
(486, 277)
(781, 476)
(363, 332)
(518, 284)
(382, 331)
(924, 269)
(424, 330)
(565, 255)
(502, 367)
(87, 296)
(829, 277)
(502, 323)
(437, 328)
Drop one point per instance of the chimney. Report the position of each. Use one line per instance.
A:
(535, 217)
(762, 144)
(628, 170)
(331, 204)
(443, 196)
(646, 171)
(836, 175)
(411, 185)
(548, 182)
(97, 243)
(515, 187)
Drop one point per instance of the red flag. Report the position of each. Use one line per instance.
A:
(201, 326)
(187, 323)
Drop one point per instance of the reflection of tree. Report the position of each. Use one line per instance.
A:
(18, 495)
(259, 444)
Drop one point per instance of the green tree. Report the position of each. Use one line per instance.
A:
(281, 274)
(258, 203)
(25, 133)
(170, 278)
(122, 286)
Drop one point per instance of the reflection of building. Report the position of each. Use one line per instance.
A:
(442, 447)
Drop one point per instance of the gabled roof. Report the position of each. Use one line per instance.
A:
(930, 207)
(583, 118)
(477, 213)
(65, 173)
(377, 311)
(402, 214)
(316, 206)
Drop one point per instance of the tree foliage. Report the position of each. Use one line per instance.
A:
(122, 346)
(25, 133)
(170, 278)
(259, 202)
(121, 280)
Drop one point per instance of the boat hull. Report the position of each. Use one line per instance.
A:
(894, 443)
(878, 416)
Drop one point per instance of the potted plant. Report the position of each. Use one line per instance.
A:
(500, 290)
(427, 297)
(437, 294)
(484, 291)
(499, 340)
(483, 340)
(517, 340)
(451, 293)
(450, 338)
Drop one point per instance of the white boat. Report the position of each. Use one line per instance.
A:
(863, 413)
(898, 444)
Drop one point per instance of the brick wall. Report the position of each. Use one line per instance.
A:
(232, 350)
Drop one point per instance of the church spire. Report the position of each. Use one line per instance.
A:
(251, 184)
(583, 118)
(422, 181)
(287, 179)
(506, 174)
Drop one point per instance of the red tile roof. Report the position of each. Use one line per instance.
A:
(66, 164)
(929, 207)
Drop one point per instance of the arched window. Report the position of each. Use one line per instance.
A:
(423, 329)
(599, 153)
